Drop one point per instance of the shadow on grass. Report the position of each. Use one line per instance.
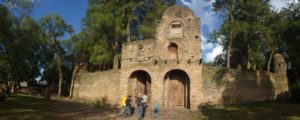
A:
(27, 107)
(271, 110)
(23, 107)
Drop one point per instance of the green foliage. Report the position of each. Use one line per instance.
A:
(21, 47)
(219, 60)
(269, 110)
(252, 28)
(153, 13)
(54, 26)
(99, 54)
(5, 36)
(109, 23)
(291, 34)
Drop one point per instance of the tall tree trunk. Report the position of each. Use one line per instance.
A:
(269, 61)
(115, 54)
(248, 57)
(60, 76)
(128, 31)
(74, 76)
(228, 52)
(230, 38)
(59, 64)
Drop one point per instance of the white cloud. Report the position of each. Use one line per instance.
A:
(206, 46)
(279, 4)
(207, 17)
(203, 10)
(211, 55)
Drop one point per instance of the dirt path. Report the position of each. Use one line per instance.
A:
(63, 110)
(66, 110)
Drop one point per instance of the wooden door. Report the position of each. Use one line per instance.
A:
(176, 92)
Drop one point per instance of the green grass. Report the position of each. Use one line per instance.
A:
(24, 107)
(270, 110)
(28, 107)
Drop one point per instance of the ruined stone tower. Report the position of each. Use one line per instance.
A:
(279, 64)
(169, 71)
(168, 68)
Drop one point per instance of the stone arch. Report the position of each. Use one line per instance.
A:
(173, 51)
(176, 89)
(139, 82)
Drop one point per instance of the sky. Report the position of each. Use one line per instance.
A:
(210, 21)
(73, 11)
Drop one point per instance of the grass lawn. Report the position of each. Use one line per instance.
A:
(24, 107)
(28, 107)
(270, 110)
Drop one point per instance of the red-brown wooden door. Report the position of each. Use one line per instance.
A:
(176, 92)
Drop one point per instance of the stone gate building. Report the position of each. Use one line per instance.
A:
(169, 70)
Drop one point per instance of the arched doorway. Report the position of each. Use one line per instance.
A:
(139, 83)
(177, 89)
(173, 51)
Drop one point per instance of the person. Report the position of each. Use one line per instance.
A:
(122, 104)
(128, 107)
(139, 107)
(155, 110)
(144, 98)
(144, 104)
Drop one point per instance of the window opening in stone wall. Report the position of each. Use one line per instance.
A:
(140, 50)
(176, 30)
(173, 51)
(176, 26)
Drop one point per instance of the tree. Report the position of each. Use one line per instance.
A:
(55, 27)
(273, 41)
(5, 35)
(21, 48)
(109, 23)
(291, 38)
(21, 8)
(226, 7)
(245, 29)
(151, 15)
(219, 60)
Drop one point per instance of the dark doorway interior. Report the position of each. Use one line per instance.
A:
(140, 83)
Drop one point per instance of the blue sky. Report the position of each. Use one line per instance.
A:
(74, 10)
(71, 10)
(210, 21)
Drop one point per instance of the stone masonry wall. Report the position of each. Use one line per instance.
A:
(98, 86)
(157, 73)
(229, 86)
(204, 85)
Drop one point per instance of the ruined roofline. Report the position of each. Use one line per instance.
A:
(173, 11)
